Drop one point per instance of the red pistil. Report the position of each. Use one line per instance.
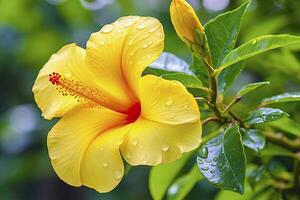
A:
(54, 78)
(133, 113)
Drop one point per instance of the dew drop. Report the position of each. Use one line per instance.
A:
(145, 46)
(152, 30)
(130, 43)
(141, 26)
(134, 142)
(169, 102)
(118, 174)
(203, 152)
(149, 56)
(200, 161)
(165, 147)
(105, 164)
(204, 168)
(67, 74)
(107, 28)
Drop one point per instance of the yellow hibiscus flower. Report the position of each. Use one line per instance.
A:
(109, 111)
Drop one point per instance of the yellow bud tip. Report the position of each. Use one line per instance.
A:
(185, 20)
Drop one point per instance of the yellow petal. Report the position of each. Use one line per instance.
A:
(184, 20)
(83, 140)
(120, 51)
(51, 102)
(167, 101)
(78, 84)
(152, 143)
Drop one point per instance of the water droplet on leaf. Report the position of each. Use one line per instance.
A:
(203, 152)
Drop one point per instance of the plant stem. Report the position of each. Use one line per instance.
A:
(282, 140)
(297, 173)
(204, 122)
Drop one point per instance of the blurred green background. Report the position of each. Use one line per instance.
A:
(32, 30)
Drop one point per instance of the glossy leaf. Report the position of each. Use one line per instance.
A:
(170, 62)
(286, 97)
(255, 176)
(228, 76)
(263, 115)
(184, 184)
(189, 81)
(222, 33)
(254, 140)
(257, 46)
(199, 69)
(222, 160)
(162, 176)
(287, 125)
(250, 87)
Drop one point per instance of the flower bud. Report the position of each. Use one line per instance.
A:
(188, 27)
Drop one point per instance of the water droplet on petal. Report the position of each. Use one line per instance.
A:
(107, 28)
(134, 142)
(141, 26)
(145, 162)
(169, 102)
(145, 46)
(130, 43)
(118, 174)
(165, 147)
(152, 30)
(67, 74)
(149, 56)
(105, 164)
(203, 152)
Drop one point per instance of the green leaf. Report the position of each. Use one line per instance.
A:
(287, 125)
(189, 81)
(222, 160)
(254, 139)
(275, 150)
(199, 69)
(278, 170)
(257, 46)
(184, 184)
(162, 176)
(222, 33)
(263, 115)
(286, 97)
(228, 76)
(170, 62)
(255, 176)
(248, 88)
